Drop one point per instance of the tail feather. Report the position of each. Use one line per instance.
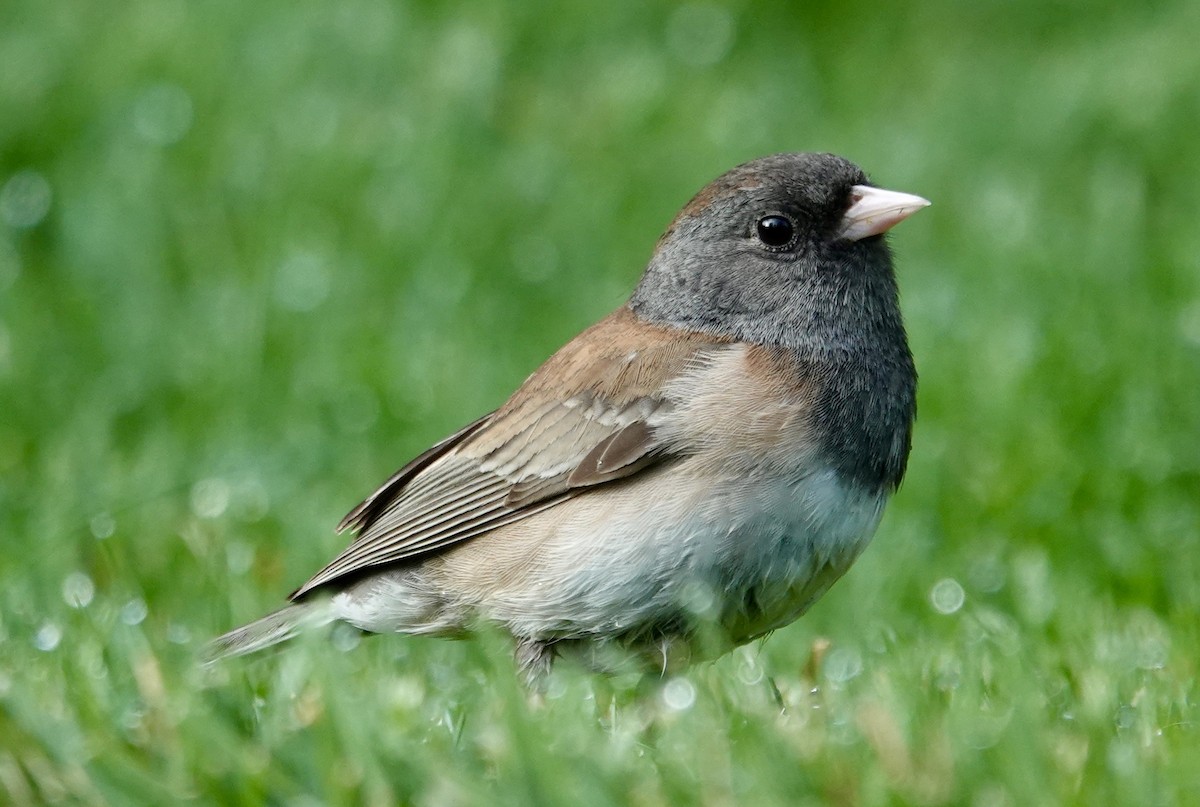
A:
(275, 627)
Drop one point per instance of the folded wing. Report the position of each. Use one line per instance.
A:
(586, 418)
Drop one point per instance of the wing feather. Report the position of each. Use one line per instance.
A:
(585, 418)
(367, 510)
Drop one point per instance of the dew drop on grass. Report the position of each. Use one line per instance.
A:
(47, 637)
(78, 590)
(407, 692)
(131, 719)
(749, 671)
(178, 634)
(842, 664)
(679, 694)
(102, 526)
(133, 612)
(210, 497)
(947, 596)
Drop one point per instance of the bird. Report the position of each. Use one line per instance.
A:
(688, 474)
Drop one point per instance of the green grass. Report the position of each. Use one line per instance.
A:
(253, 256)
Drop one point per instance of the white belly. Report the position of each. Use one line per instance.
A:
(754, 553)
(749, 553)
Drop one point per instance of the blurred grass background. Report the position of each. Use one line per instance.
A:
(253, 256)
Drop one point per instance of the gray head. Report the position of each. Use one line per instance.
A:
(769, 253)
(788, 251)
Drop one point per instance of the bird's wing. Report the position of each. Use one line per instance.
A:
(585, 418)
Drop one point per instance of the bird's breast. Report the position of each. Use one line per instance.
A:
(769, 560)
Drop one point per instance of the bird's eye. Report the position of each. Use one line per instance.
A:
(775, 231)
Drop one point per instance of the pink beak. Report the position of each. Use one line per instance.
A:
(876, 211)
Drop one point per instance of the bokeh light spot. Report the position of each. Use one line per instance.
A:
(679, 694)
(700, 34)
(133, 612)
(842, 664)
(78, 590)
(25, 199)
(210, 497)
(102, 525)
(162, 114)
(302, 282)
(947, 596)
(47, 637)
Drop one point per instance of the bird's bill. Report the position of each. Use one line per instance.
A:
(876, 211)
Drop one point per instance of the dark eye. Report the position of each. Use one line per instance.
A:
(775, 231)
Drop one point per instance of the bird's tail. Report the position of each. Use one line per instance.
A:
(275, 627)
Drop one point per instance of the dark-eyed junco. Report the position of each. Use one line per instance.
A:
(705, 461)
